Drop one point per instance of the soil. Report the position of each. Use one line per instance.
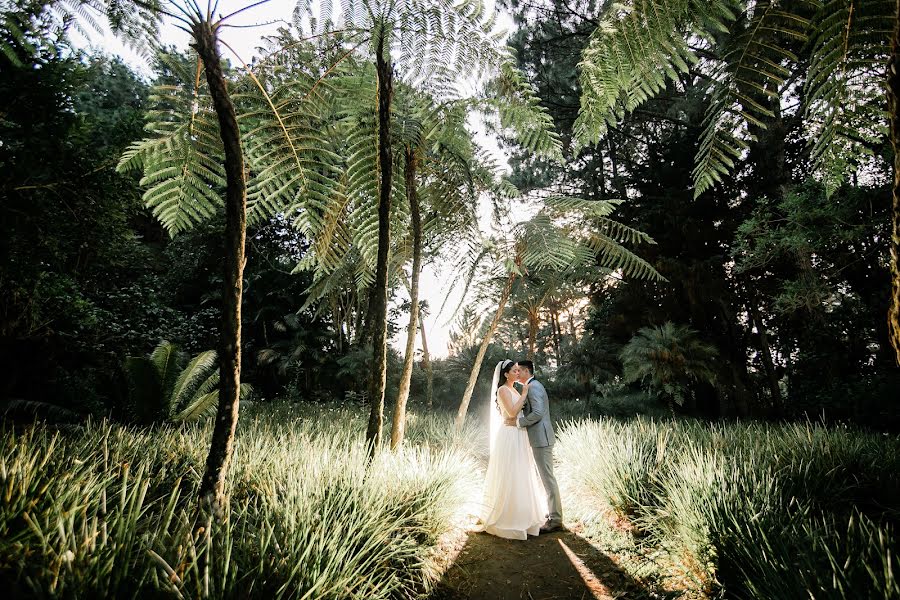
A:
(559, 565)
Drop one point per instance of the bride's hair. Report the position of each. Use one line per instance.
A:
(504, 369)
(507, 365)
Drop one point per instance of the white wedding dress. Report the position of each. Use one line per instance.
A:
(514, 504)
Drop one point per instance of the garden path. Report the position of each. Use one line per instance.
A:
(554, 566)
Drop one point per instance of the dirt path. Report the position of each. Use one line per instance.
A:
(559, 565)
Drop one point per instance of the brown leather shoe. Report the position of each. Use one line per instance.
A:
(551, 526)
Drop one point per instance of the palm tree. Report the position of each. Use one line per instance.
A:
(640, 44)
(541, 244)
(167, 386)
(669, 358)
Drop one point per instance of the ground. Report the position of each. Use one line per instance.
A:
(558, 565)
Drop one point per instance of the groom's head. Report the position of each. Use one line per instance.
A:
(526, 370)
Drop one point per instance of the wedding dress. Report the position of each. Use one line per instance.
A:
(514, 504)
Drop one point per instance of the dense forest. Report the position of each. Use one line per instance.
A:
(693, 244)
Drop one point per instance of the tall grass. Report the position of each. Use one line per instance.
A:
(107, 511)
(748, 511)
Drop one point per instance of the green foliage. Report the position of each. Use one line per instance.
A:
(106, 511)
(668, 359)
(518, 107)
(749, 55)
(166, 386)
(844, 99)
(23, 19)
(635, 49)
(182, 162)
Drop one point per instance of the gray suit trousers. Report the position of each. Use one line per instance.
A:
(543, 456)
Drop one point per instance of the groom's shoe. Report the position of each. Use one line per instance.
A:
(551, 526)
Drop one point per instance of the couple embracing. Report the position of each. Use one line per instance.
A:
(521, 497)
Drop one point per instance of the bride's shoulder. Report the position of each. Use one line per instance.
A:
(509, 393)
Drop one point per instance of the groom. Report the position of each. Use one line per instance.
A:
(536, 418)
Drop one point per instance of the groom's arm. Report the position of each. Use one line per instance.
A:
(538, 397)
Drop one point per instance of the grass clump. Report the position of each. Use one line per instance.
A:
(107, 511)
(745, 510)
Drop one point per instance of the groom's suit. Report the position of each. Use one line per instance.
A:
(536, 419)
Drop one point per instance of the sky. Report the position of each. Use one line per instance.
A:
(264, 20)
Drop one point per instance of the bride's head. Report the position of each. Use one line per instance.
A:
(509, 372)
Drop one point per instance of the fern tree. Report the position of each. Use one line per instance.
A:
(185, 166)
(541, 288)
(437, 154)
(427, 44)
(851, 77)
(541, 244)
(138, 21)
(193, 154)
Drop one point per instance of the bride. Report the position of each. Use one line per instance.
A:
(514, 505)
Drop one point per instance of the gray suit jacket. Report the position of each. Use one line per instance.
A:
(536, 416)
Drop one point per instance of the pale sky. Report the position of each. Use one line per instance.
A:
(245, 41)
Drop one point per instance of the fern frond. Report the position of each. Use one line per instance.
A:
(521, 112)
(206, 404)
(191, 378)
(613, 255)
(182, 162)
(750, 74)
(166, 359)
(636, 48)
(845, 114)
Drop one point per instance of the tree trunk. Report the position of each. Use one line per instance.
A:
(768, 363)
(212, 486)
(572, 328)
(533, 323)
(482, 350)
(429, 372)
(893, 86)
(359, 339)
(399, 423)
(378, 309)
(366, 319)
(557, 335)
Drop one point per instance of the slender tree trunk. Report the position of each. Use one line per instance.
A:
(338, 319)
(378, 309)
(482, 350)
(366, 319)
(359, 337)
(399, 423)
(429, 372)
(893, 86)
(768, 363)
(557, 334)
(212, 486)
(572, 327)
(533, 323)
